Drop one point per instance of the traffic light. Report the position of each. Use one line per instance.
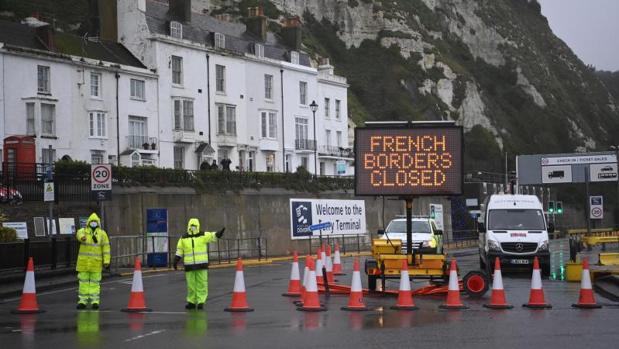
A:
(559, 207)
(551, 207)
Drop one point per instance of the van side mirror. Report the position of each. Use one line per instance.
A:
(438, 232)
(481, 227)
(380, 232)
(551, 227)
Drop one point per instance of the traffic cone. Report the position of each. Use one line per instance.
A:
(319, 265)
(304, 283)
(337, 263)
(239, 295)
(28, 303)
(453, 291)
(497, 299)
(355, 301)
(405, 295)
(294, 286)
(536, 297)
(311, 302)
(586, 299)
(329, 265)
(136, 298)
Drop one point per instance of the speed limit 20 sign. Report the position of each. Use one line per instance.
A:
(101, 177)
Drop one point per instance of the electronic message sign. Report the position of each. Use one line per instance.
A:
(413, 161)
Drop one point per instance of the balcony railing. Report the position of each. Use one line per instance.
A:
(336, 151)
(142, 142)
(305, 144)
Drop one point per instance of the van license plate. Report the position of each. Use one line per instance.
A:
(520, 261)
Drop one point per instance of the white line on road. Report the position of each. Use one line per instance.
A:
(144, 335)
(123, 281)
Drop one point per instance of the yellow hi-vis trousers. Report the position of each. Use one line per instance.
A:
(197, 286)
(90, 287)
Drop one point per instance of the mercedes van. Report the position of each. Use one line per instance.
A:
(514, 228)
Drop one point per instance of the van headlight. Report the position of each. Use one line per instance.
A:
(494, 246)
(543, 246)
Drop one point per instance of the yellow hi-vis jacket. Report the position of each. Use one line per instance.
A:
(93, 255)
(191, 247)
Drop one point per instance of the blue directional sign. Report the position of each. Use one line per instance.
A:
(325, 225)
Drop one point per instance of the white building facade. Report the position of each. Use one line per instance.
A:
(77, 107)
(237, 92)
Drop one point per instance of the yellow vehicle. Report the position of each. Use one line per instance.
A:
(386, 261)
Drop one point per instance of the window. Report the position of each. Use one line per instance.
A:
(226, 120)
(95, 85)
(97, 125)
(48, 155)
(30, 129)
(268, 86)
(183, 114)
(48, 119)
(301, 127)
(138, 134)
(96, 157)
(259, 50)
(220, 40)
(43, 84)
(322, 168)
(177, 70)
(338, 105)
(176, 30)
(220, 78)
(303, 92)
(270, 162)
(328, 140)
(137, 89)
(294, 57)
(338, 136)
(269, 124)
(179, 158)
(327, 107)
(304, 162)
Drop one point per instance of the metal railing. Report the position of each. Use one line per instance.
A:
(336, 151)
(142, 142)
(348, 243)
(304, 144)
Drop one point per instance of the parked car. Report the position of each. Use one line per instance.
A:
(10, 196)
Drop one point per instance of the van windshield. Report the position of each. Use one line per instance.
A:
(400, 227)
(516, 220)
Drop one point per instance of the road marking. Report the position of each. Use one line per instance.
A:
(144, 335)
(123, 281)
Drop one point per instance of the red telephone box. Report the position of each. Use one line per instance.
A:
(19, 157)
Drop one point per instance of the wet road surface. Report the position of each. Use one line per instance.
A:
(277, 324)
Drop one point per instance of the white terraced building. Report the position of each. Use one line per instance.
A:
(235, 91)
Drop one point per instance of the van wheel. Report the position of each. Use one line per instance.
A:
(546, 270)
(482, 265)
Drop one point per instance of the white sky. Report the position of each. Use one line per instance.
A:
(589, 27)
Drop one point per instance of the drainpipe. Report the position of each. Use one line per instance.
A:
(117, 75)
(208, 97)
(281, 74)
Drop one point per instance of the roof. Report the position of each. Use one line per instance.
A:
(508, 201)
(23, 36)
(201, 28)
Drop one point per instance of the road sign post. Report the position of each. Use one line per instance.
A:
(101, 184)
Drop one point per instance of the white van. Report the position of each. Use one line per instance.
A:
(514, 228)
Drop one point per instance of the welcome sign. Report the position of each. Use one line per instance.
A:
(346, 217)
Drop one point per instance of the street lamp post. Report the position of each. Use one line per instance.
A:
(616, 149)
(314, 107)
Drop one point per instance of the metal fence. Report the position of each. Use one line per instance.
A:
(347, 243)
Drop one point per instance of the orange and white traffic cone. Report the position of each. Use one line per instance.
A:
(453, 291)
(586, 299)
(136, 298)
(536, 297)
(497, 299)
(311, 301)
(405, 295)
(319, 264)
(304, 283)
(355, 301)
(329, 265)
(294, 286)
(28, 303)
(239, 295)
(337, 262)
